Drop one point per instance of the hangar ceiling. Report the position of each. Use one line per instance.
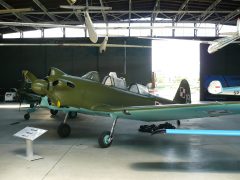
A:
(130, 11)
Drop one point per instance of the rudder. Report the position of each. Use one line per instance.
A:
(183, 94)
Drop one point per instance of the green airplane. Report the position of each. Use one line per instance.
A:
(87, 95)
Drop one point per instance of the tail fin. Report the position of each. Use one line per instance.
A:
(183, 94)
(215, 87)
(28, 76)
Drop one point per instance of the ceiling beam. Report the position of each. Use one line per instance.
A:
(18, 15)
(79, 17)
(207, 13)
(129, 15)
(156, 8)
(44, 9)
(230, 16)
(127, 11)
(130, 9)
(179, 16)
(103, 13)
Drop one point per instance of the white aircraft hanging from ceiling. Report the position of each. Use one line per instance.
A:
(88, 21)
(222, 42)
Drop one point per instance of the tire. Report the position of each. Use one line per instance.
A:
(64, 130)
(104, 139)
(27, 116)
(53, 112)
(72, 115)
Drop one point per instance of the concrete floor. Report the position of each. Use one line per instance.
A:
(133, 155)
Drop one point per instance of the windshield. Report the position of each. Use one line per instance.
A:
(92, 75)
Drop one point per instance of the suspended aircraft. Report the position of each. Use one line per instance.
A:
(93, 36)
(87, 95)
(215, 87)
(222, 42)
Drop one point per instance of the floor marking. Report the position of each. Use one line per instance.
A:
(64, 154)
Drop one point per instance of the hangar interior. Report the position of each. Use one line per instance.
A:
(27, 44)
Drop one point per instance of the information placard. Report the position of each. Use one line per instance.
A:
(30, 133)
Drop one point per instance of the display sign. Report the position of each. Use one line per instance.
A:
(30, 133)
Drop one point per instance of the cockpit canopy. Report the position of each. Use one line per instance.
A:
(113, 80)
(92, 75)
(139, 89)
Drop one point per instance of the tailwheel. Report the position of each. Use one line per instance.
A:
(72, 115)
(64, 130)
(26, 116)
(53, 112)
(105, 140)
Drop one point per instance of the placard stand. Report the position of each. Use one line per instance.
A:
(30, 134)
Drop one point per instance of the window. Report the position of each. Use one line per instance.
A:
(53, 32)
(206, 32)
(11, 35)
(32, 34)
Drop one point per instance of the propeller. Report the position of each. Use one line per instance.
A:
(25, 86)
(52, 84)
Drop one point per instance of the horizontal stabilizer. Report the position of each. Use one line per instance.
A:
(201, 132)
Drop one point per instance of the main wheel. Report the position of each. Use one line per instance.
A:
(53, 112)
(26, 116)
(64, 130)
(104, 140)
(72, 115)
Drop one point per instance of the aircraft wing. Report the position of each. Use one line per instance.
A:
(156, 113)
(176, 112)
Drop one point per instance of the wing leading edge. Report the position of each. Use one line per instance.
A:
(176, 112)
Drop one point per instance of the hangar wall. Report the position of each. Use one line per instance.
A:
(74, 60)
(223, 65)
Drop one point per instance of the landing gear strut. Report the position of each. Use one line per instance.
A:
(64, 130)
(106, 138)
(32, 109)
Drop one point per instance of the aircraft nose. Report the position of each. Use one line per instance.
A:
(39, 86)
